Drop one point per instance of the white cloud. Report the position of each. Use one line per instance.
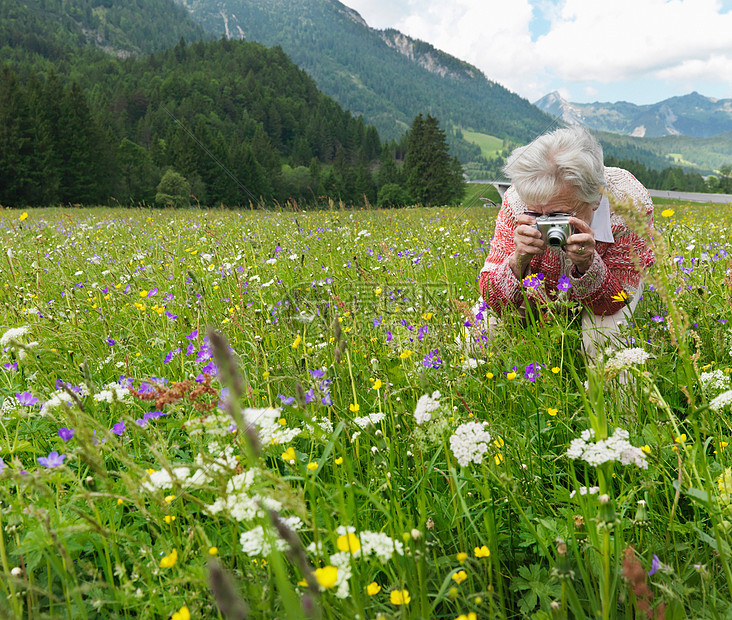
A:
(592, 41)
(587, 42)
(717, 68)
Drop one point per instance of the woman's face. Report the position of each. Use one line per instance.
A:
(565, 201)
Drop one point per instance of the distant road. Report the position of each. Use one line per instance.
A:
(502, 186)
(691, 196)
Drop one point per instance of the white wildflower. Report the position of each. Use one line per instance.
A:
(586, 491)
(163, 480)
(469, 443)
(471, 364)
(267, 423)
(381, 545)
(324, 423)
(369, 420)
(714, 381)
(721, 401)
(55, 400)
(258, 542)
(113, 392)
(342, 561)
(426, 405)
(13, 335)
(627, 357)
(615, 448)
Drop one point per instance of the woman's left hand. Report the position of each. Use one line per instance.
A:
(580, 246)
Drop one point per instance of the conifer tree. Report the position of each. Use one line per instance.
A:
(432, 176)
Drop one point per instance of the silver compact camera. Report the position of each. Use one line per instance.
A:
(555, 229)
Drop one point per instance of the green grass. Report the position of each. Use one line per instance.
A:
(480, 194)
(490, 146)
(332, 316)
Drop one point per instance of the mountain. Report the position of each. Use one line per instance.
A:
(54, 29)
(383, 75)
(83, 123)
(691, 115)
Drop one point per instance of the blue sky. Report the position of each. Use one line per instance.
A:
(641, 51)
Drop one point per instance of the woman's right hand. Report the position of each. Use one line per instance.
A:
(527, 244)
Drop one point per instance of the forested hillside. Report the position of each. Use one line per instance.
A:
(226, 114)
(55, 30)
(383, 75)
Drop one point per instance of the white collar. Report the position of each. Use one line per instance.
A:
(600, 224)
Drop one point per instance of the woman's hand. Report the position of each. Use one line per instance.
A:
(580, 246)
(527, 243)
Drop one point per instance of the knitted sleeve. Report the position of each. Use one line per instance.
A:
(601, 286)
(498, 284)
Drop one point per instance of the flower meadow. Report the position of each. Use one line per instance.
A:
(291, 414)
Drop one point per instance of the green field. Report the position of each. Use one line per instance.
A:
(276, 414)
(490, 146)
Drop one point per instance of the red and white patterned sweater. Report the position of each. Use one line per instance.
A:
(611, 270)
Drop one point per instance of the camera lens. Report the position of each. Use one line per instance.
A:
(555, 237)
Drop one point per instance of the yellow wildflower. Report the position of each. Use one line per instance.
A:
(169, 560)
(348, 542)
(373, 588)
(326, 576)
(181, 614)
(399, 597)
(460, 576)
(482, 552)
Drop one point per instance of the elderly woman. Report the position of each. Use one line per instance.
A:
(563, 172)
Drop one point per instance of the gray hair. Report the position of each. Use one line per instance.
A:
(570, 156)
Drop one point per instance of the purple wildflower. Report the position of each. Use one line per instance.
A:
(111, 342)
(192, 335)
(54, 459)
(26, 398)
(530, 372)
(655, 565)
(533, 280)
(169, 357)
(66, 433)
(388, 336)
(170, 315)
(211, 369)
(564, 283)
(285, 400)
(432, 359)
(119, 428)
